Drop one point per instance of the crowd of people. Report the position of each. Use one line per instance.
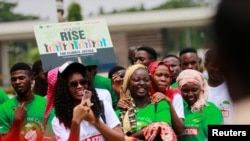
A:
(152, 99)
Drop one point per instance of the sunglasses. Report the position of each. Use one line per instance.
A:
(75, 83)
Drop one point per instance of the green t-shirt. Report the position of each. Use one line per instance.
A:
(34, 121)
(196, 124)
(147, 115)
(3, 96)
(105, 83)
(174, 85)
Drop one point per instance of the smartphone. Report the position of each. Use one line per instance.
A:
(87, 94)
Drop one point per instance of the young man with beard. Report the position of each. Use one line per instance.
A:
(22, 117)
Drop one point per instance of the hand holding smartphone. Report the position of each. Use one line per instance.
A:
(87, 96)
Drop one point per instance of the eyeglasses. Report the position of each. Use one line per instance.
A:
(75, 83)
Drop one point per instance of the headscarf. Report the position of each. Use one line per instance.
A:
(156, 131)
(163, 129)
(128, 118)
(52, 78)
(196, 77)
(170, 92)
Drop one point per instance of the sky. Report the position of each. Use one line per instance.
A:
(46, 9)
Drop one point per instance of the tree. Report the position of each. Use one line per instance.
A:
(74, 12)
(25, 51)
(142, 7)
(177, 4)
(6, 14)
(101, 11)
(18, 50)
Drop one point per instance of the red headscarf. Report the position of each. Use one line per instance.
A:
(170, 92)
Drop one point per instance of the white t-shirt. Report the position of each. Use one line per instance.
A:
(87, 131)
(104, 94)
(178, 105)
(220, 97)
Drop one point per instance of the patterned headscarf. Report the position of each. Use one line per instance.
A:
(128, 118)
(194, 76)
(163, 129)
(52, 77)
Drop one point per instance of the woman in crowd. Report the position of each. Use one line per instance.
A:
(198, 112)
(138, 113)
(161, 78)
(78, 109)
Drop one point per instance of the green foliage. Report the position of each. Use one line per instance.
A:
(74, 12)
(177, 4)
(114, 11)
(125, 10)
(18, 50)
(101, 11)
(198, 37)
(6, 14)
(34, 53)
(132, 9)
(25, 51)
(142, 8)
(167, 5)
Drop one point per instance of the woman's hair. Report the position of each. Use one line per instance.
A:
(64, 102)
(196, 77)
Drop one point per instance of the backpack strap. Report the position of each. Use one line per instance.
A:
(102, 112)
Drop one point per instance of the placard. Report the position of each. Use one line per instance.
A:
(86, 42)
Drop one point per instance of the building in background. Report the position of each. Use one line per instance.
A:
(160, 29)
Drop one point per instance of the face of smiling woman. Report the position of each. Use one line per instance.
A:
(77, 90)
(139, 83)
(191, 92)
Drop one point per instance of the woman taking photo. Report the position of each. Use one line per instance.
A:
(78, 108)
